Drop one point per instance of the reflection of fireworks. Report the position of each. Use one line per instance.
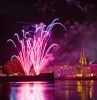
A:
(34, 49)
(30, 91)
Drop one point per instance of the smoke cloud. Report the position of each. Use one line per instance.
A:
(78, 37)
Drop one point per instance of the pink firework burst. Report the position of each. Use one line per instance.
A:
(34, 49)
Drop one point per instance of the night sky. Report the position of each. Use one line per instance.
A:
(78, 16)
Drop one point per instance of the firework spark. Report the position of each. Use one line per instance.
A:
(34, 49)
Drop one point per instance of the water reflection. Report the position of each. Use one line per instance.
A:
(60, 90)
(78, 90)
(4, 90)
(85, 89)
(29, 91)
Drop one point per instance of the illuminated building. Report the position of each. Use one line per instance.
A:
(13, 67)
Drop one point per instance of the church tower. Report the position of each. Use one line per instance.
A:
(83, 59)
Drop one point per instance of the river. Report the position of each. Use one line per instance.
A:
(58, 90)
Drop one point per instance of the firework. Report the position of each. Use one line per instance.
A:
(34, 49)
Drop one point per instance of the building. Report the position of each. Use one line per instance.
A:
(13, 67)
(83, 59)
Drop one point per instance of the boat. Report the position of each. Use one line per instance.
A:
(40, 77)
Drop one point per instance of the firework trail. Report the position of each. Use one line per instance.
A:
(34, 49)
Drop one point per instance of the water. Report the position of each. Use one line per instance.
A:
(59, 90)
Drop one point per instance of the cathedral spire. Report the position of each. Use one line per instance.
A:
(83, 59)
